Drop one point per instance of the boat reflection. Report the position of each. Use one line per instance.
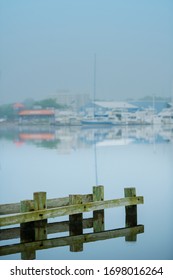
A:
(66, 139)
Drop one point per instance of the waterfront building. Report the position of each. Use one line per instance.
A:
(37, 116)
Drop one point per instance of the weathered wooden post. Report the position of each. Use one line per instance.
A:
(27, 231)
(131, 213)
(98, 215)
(33, 231)
(76, 223)
(40, 203)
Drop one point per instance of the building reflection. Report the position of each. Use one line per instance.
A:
(66, 139)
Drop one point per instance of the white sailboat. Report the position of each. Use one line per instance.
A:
(166, 116)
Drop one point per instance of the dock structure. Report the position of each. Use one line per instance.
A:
(33, 215)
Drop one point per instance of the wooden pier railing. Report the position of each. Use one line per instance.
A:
(34, 228)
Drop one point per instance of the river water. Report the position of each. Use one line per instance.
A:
(71, 160)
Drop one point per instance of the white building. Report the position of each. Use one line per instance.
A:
(115, 105)
(75, 101)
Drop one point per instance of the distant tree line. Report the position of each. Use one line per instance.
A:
(48, 103)
(7, 111)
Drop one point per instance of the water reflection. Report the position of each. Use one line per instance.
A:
(66, 139)
(35, 236)
(29, 245)
(61, 160)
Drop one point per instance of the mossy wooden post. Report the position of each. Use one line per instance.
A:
(98, 215)
(76, 223)
(131, 213)
(27, 232)
(40, 203)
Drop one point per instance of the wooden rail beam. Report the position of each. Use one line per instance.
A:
(68, 210)
(13, 208)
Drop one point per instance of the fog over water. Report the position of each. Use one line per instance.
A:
(139, 157)
(110, 50)
(48, 47)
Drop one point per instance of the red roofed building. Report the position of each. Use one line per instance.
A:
(37, 116)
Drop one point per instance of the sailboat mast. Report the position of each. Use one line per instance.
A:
(94, 99)
(95, 160)
(94, 89)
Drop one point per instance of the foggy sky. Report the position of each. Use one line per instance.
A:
(48, 47)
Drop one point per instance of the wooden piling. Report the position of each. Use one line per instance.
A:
(33, 214)
(40, 202)
(130, 213)
(33, 231)
(27, 232)
(76, 223)
(40, 226)
(98, 215)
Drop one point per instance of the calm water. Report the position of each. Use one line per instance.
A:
(72, 160)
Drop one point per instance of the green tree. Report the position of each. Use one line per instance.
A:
(7, 111)
(47, 103)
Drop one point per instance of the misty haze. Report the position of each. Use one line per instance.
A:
(86, 130)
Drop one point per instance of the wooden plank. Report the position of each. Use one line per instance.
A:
(9, 233)
(13, 208)
(68, 210)
(10, 208)
(52, 228)
(70, 240)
